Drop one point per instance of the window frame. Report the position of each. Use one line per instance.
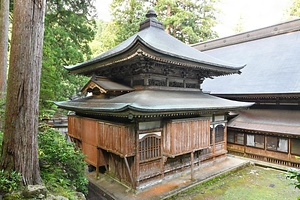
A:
(235, 138)
(219, 135)
(254, 141)
(277, 144)
(148, 153)
(291, 147)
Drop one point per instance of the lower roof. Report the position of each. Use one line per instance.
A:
(272, 121)
(153, 101)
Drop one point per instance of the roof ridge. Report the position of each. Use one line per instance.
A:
(269, 31)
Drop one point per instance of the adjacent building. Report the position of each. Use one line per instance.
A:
(270, 130)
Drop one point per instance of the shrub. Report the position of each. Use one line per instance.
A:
(62, 166)
(8, 181)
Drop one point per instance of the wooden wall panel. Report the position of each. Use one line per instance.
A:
(149, 169)
(89, 130)
(116, 138)
(74, 126)
(111, 137)
(91, 153)
(184, 136)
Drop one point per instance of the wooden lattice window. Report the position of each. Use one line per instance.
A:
(219, 133)
(150, 147)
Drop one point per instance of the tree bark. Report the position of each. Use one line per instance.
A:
(168, 29)
(4, 24)
(20, 147)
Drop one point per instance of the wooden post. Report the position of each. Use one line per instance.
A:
(137, 156)
(192, 165)
(129, 171)
(97, 163)
(162, 164)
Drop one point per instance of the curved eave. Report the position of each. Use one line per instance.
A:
(146, 110)
(128, 49)
(134, 112)
(147, 102)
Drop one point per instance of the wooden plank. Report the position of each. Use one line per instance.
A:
(186, 135)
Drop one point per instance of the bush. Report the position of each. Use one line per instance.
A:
(62, 166)
(8, 181)
(294, 175)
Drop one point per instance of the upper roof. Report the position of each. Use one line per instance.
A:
(153, 101)
(268, 121)
(153, 42)
(272, 59)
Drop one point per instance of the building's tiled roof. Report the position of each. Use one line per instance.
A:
(273, 64)
(273, 121)
(157, 44)
(153, 101)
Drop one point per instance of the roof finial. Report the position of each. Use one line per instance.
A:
(151, 14)
(151, 21)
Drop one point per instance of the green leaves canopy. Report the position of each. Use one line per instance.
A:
(69, 27)
(190, 21)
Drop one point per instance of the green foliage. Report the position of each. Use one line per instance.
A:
(62, 166)
(104, 39)
(127, 15)
(8, 181)
(295, 175)
(190, 21)
(69, 28)
(294, 10)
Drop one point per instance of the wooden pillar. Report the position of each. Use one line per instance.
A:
(162, 163)
(192, 165)
(213, 138)
(137, 155)
(289, 149)
(97, 163)
(225, 132)
(129, 171)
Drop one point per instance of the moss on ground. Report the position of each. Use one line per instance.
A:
(251, 183)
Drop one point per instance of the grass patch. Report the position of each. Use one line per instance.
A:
(251, 183)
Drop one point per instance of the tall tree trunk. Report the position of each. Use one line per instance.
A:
(20, 147)
(168, 28)
(4, 23)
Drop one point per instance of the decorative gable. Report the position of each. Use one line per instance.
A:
(102, 85)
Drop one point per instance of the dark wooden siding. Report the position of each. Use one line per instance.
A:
(184, 136)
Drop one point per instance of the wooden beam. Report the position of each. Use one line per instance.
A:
(129, 171)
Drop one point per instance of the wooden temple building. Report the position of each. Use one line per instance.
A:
(144, 115)
(270, 130)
